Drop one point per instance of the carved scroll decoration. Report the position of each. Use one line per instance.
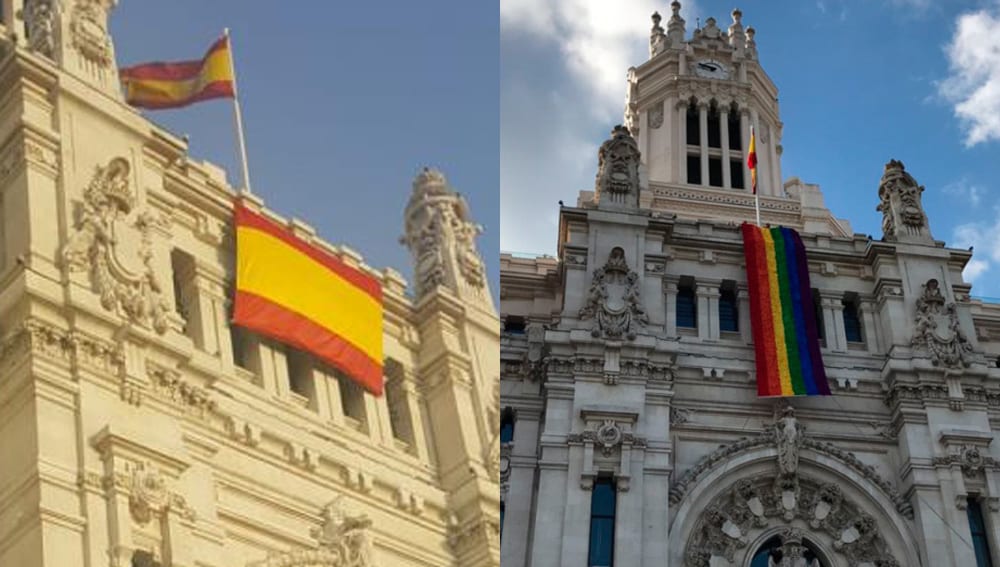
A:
(98, 245)
(939, 331)
(614, 300)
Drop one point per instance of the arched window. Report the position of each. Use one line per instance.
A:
(773, 549)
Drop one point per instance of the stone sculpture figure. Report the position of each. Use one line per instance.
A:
(899, 203)
(617, 183)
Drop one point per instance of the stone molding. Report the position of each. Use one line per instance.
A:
(610, 430)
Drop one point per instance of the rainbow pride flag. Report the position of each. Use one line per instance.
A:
(782, 319)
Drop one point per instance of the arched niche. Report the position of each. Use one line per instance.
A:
(862, 519)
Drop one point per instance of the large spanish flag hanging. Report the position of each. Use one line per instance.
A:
(785, 336)
(172, 85)
(300, 295)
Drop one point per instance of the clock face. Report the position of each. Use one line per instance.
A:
(711, 69)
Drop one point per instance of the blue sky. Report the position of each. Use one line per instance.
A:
(343, 103)
(859, 83)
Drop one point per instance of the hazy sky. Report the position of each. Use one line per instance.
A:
(859, 82)
(343, 103)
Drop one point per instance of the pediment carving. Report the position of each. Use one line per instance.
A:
(114, 243)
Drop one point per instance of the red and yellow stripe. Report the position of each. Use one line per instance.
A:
(752, 160)
(300, 295)
(172, 85)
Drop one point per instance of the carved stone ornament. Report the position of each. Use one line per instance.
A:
(900, 203)
(656, 116)
(617, 181)
(118, 254)
(752, 505)
(970, 458)
(148, 494)
(438, 229)
(89, 30)
(788, 436)
(614, 300)
(632, 103)
(939, 331)
(40, 24)
(342, 541)
(657, 37)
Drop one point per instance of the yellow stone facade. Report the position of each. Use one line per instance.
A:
(137, 428)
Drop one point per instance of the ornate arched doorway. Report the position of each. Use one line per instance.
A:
(791, 501)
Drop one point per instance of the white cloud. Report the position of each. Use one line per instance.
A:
(965, 190)
(985, 237)
(973, 83)
(554, 118)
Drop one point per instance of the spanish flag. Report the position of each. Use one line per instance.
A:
(297, 294)
(752, 160)
(173, 85)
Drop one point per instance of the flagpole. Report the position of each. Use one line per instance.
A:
(755, 177)
(239, 117)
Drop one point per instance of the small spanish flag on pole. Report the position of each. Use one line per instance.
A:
(752, 164)
(178, 84)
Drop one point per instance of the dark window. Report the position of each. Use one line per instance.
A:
(715, 172)
(503, 508)
(978, 529)
(300, 373)
(735, 143)
(513, 324)
(687, 308)
(602, 523)
(736, 173)
(818, 309)
(714, 129)
(507, 426)
(693, 128)
(728, 312)
(694, 169)
(852, 322)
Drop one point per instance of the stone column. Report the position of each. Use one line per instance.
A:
(745, 130)
(681, 154)
(775, 169)
(724, 130)
(517, 514)
(703, 129)
(872, 332)
(708, 310)
(670, 291)
(576, 516)
(833, 319)
(553, 475)
(629, 514)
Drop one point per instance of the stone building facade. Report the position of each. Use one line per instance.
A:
(137, 427)
(632, 433)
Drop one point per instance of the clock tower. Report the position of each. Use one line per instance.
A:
(690, 108)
